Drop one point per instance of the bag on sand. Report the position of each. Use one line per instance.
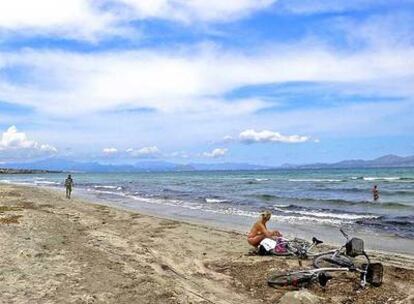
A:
(269, 247)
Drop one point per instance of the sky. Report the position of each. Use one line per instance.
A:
(258, 81)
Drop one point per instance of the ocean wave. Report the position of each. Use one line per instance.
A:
(108, 187)
(292, 219)
(267, 197)
(368, 203)
(319, 180)
(371, 178)
(324, 213)
(339, 202)
(215, 200)
(44, 182)
(282, 206)
(257, 180)
(400, 225)
(14, 182)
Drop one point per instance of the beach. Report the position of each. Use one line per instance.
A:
(56, 250)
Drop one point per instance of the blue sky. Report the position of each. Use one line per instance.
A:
(258, 81)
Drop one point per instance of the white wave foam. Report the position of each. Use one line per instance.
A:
(13, 182)
(107, 187)
(369, 178)
(44, 182)
(261, 179)
(344, 216)
(215, 200)
(281, 206)
(238, 212)
(315, 217)
(280, 218)
(315, 180)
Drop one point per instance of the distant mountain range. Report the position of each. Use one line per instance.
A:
(55, 164)
(386, 161)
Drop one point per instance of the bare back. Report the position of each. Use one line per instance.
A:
(258, 229)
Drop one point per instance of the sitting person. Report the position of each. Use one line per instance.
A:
(259, 230)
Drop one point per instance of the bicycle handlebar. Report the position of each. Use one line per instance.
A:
(344, 233)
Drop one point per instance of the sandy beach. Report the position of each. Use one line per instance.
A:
(55, 250)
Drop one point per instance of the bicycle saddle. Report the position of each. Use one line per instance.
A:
(316, 241)
(323, 278)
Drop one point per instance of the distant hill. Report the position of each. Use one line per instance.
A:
(55, 164)
(386, 161)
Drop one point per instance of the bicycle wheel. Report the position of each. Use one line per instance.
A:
(290, 279)
(329, 260)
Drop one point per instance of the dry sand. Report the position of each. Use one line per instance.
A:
(55, 250)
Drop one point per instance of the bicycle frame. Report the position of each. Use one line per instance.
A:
(333, 257)
(337, 252)
(303, 250)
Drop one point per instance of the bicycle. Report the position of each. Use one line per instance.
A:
(343, 256)
(333, 261)
(373, 274)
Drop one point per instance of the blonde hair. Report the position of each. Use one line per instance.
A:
(266, 215)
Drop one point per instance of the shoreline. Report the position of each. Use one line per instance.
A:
(384, 227)
(91, 253)
(381, 242)
(374, 242)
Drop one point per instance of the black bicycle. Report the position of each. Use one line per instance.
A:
(339, 260)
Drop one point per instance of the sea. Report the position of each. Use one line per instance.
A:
(302, 202)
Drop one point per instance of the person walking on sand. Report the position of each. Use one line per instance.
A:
(375, 193)
(259, 230)
(68, 186)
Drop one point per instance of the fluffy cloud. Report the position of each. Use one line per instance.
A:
(193, 81)
(89, 19)
(322, 6)
(110, 151)
(265, 136)
(16, 145)
(145, 152)
(77, 19)
(193, 10)
(218, 152)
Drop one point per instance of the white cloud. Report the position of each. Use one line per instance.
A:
(333, 6)
(228, 138)
(195, 10)
(77, 19)
(145, 152)
(218, 152)
(110, 150)
(89, 19)
(16, 145)
(191, 81)
(265, 136)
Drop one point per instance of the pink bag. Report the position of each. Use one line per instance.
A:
(280, 246)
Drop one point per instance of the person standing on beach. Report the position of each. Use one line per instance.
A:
(68, 186)
(375, 193)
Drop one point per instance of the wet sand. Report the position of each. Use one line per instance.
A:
(55, 250)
